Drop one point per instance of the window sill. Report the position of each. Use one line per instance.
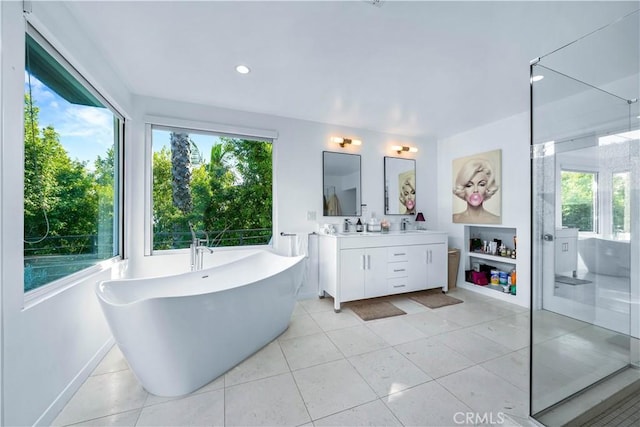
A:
(55, 288)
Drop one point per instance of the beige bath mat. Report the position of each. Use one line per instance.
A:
(374, 309)
(433, 298)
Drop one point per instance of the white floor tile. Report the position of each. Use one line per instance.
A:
(114, 361)
(508, 331)
(331, 388)
(427, 404)
(431, 324)
(356, 340)
(267, 362)
(548, 325)
(512, 367)
(329, 321)
(315, 305)
(472, 313)
(336, 369)
(310, 350)
(123, 419)
(273, 401)
(216, 384)
(298, 309)
(300, 326)
(395, 330)
(103, 395)
(486, 392)
(434, 357)
(194, 410)
(387, 371)
(370, 414)
(473, 346)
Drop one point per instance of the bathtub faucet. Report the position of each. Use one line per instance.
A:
(197, 252)
(197, 248)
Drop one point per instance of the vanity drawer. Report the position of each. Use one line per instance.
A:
(400, 284)
(397, 253)
(397, 269)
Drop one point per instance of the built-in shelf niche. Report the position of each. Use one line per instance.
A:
(503, 263)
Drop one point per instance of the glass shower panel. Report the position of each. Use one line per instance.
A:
(584, 234)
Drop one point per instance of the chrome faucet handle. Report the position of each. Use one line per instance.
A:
(193, 232)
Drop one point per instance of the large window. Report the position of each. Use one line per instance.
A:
(71, 162)
(220, 185)
(579, 200)
(621, 205)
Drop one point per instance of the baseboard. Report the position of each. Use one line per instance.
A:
(50, 414)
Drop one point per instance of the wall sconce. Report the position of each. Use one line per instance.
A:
(345, 141)
(401, 148)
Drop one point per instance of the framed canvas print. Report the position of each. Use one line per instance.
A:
(476, 188)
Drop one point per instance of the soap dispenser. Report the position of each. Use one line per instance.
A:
(359, 226)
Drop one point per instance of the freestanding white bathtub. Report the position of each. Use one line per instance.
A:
(180, 332)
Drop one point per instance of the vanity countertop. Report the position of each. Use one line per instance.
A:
(394, 233)
(384, 234)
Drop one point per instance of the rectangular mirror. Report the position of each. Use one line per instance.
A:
(399, 186)
(341, 183)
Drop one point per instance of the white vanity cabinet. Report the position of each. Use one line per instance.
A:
(566, 255)
(363, 270)
(358, 266)
(428, 266)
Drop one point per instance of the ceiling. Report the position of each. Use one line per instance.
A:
(420, 69)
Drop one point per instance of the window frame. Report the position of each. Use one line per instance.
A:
(34, 296)
(168, 123)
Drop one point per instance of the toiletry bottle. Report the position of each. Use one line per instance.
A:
(513, 281)
(359, 225)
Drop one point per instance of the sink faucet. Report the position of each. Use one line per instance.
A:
(197, 248)
(403, 224)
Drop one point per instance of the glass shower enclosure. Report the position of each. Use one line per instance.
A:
(585, 167)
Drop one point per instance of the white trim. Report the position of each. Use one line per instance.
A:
(210, 127)
(170, 252)
(148, 190)
(54, 44)
(51, 289)
(169, 124)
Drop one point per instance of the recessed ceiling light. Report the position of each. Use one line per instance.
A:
(242, 69)
(537, 78)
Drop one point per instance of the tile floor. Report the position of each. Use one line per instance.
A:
(430, 367)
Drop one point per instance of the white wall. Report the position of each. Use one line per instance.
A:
(49, 346)
(511, 135)
(297, 170)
